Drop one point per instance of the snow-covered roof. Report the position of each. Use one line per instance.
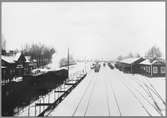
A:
(27, 58)
(129, 60)
(43, 70)
(3, 67)
(9, 59)
(34, 60)
(17, 56)
(146, 62)
(159, 60)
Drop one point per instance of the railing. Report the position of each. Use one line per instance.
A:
(48, 102)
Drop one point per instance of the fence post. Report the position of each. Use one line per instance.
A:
(29, 110)
(35, 109)
(40, 106)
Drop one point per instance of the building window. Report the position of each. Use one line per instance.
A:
(148, 69)
(11, 72)
(3, 75)
(155, 69)
(163, 70)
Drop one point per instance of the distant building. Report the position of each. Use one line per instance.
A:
(16, 65)
(156, 68)
(8, 67)
(30, 64)
(129, 65)
(20, 60)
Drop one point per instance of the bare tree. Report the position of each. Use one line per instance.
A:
(3, 44)
(153, 53)
(130, 55)
(40, 52)
(120, 57)
(64, 61)
(137, 55)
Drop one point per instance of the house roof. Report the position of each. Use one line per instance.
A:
(17, 56)
(34, 60)
(8, 59)
(130, 60)
(148, 62)
(11, 59)
(3, 67)
(27, 58)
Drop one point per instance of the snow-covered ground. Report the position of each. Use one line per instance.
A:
(114, 93)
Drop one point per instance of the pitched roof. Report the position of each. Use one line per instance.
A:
(27, 58)
(34, 60)
(17, 56)
(159, 61)
(130, 60)
(3, 67)
(11, 59)
(8, 59)
(146, 62)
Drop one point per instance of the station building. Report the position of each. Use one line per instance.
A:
(156, 68)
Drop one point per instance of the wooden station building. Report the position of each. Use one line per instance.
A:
(129, 65)
(156, 68)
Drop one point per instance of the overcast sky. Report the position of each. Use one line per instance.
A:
(95, 30)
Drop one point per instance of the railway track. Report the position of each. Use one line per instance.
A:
(88, 86)
(50, 108)
(139, 101)
(146, 90)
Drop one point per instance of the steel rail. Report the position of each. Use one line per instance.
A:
(116, 100)
(90, 95)
(107, 97)
(146, 98)
(136, 98)
(81, 98)
(150, 95)
(51, 107)
(152, 88)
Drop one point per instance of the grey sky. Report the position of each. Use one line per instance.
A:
(97, 30)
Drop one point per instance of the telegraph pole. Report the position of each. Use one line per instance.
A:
(85, 65)
(68, 62)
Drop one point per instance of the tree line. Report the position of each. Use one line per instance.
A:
(37, 50)
(40, 52)
(152, 54)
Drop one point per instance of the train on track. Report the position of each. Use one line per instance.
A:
(96, 66)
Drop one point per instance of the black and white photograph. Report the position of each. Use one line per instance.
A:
(83, 59)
